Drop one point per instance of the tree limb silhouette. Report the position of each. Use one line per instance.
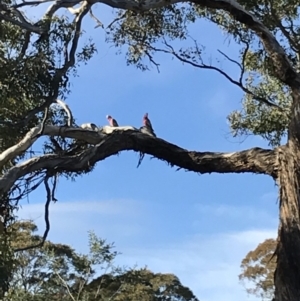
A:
(109, 141)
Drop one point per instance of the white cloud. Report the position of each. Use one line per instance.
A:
(246, 213)
(209, 265)
(70, 221)
(109, 207)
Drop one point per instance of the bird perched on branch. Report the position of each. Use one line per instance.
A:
(89, 126)
(147, 122)
(111, 121)
(147, 128)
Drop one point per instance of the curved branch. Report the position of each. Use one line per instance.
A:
(32, 136)
(67, 110)
(5, 10)
(110, 141)
(70, 58)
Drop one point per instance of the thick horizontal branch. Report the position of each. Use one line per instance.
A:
(109, 141)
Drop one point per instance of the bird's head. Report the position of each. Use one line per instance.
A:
(108, 117)
(146, 116)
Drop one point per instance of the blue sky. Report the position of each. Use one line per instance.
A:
(197, 227)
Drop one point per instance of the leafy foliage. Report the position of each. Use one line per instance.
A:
(55, 270)
(58, 272)
(258, 268)
(34, 71)
(142, 284)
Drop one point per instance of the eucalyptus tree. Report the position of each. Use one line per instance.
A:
(258, 269)
(268, 35)
(58, 272)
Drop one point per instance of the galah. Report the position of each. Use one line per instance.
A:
(89, 126)
(147, 130)
(147, 122)
(111, 121)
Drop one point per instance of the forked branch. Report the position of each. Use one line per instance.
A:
(185, 58)
(31, 137)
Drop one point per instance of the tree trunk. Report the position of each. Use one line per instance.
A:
(287, 274)
(6, 254)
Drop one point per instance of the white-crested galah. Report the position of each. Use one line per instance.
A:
(147, 128)
(147, 122)
(111, 121)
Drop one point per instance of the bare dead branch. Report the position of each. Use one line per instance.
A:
(110, 141)
(242, 66)
(244, 59)
(46, 216)
(99, 23)
(230, 59)
(211, 67)
(67, 110)
(49, 199)
(54, 185)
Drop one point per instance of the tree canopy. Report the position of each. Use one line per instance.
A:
(57, 272)
(258, 269)
(39, 58)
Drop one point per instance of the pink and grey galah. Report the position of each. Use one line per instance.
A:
(111, 121)
(147, 122)
(147, 128)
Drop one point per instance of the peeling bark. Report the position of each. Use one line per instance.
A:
(287, 275)
(109, 141)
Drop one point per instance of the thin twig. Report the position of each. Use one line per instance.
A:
(203, 66)
(66, 285)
